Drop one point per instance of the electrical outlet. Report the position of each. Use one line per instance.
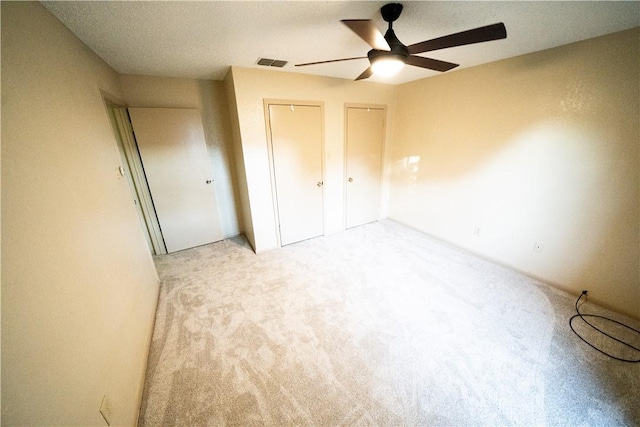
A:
(537, 247)
(106, 410)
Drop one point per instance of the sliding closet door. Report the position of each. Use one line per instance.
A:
(176, 162)
(296, 144)
(364, 145)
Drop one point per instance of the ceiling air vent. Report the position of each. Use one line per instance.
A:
(271, 62)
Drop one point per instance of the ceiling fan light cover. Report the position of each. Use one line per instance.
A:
(387, 66)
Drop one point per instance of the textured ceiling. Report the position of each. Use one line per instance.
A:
(202, 39)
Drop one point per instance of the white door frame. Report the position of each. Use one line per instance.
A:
(133, 167)
(139, 178)
(274, 200)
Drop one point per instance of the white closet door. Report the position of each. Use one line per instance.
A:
(176, 162)
(365, 138)
(296, 142)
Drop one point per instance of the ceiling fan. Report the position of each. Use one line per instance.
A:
(389, 55)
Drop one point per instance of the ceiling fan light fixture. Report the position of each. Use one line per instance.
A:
(387, 66)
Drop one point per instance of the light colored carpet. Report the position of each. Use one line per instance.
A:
(379, 325)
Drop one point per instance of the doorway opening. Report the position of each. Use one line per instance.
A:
(131, 169)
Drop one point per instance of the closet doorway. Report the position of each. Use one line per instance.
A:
(364, 145)
(295, 137)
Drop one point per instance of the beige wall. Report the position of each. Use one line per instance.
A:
(241, 184)
(251, 88)
(540, 148)
(210, 98)
(79, 288)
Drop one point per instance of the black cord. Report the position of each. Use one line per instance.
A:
(582, 316)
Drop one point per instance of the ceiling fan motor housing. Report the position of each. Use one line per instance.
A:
(398, 50)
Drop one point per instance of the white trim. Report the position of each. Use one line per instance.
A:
(140, 180)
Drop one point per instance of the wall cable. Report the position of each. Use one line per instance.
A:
(582, 317)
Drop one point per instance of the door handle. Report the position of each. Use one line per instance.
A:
(350, 179)
(209, 181)
(319, 184)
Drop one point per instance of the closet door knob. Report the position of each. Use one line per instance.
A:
(350, 179)
(319, 184)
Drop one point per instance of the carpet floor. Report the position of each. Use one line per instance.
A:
(379, 325)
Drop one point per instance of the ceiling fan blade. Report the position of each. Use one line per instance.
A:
(365, 74)
(477, 35)
(331, 60)
(367, 32)
(432, 64)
